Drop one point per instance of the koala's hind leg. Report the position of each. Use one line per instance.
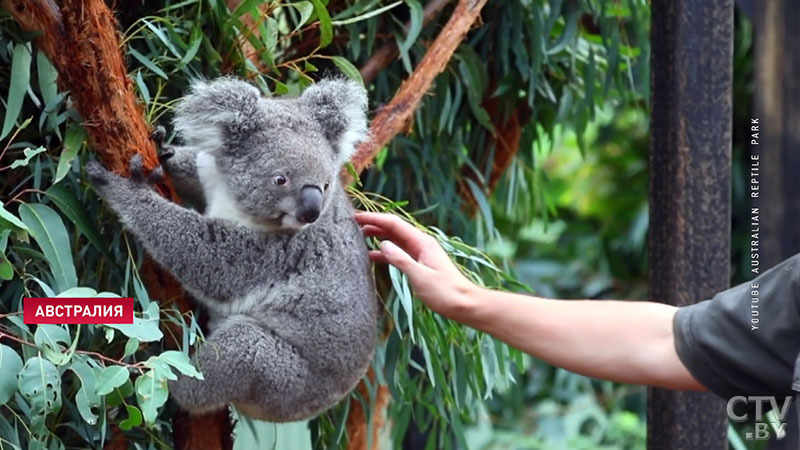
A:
(242, 363)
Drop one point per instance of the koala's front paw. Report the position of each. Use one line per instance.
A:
(104, 181)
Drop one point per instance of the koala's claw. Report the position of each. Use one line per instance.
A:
(137, 168)
(158, 135)
(156, 176)
(137, 172)
(165, 153)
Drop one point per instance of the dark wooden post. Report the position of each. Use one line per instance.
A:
(690, 164)
(777, 105)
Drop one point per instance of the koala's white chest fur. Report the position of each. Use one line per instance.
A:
(220, 203)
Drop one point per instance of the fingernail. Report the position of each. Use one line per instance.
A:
(389, 248)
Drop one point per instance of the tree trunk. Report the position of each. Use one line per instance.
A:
(690, 163)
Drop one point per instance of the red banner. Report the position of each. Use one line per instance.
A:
(53, 310)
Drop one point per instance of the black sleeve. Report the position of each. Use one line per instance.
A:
(745, 340)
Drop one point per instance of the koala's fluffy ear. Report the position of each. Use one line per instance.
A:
(340, 107)
(215, 111)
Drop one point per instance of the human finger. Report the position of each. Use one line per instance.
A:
(397, 257)
(402, 233)
(372, 231)
(377, 256)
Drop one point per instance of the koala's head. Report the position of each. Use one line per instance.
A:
(271, 162)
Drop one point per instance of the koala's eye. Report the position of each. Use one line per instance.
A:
(279, 180)
(327, 185)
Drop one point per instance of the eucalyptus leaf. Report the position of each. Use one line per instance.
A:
(78, 292)
(415, 26)
(111, 378)
(151, 394)
(130, 347)
(87, 400)
(180, 361)
(72, 143)
(109, 335)
(347, 68)
(325, 25)
(4, 239)
(48, 230)
(306, 9)
(28, 154)
(20, 80)
(134, 418)
(147, 63)
(48, 86)
(11, 218)
(6, 269)
(10, 366)
(400, 284)
(197, 40)
(39, 382)
(366, 15)
(49, 338)
(145, 329)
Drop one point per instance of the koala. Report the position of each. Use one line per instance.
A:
(276, 257)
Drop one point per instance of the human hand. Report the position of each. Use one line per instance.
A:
(431, 273)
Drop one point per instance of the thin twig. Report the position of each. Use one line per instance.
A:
(97, 355)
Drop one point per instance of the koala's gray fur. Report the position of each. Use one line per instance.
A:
(293, 311)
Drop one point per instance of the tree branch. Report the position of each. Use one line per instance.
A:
(394, 117)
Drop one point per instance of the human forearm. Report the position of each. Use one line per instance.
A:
(625, 341)
(631, 342)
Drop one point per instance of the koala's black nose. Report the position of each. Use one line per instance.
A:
(310, 204)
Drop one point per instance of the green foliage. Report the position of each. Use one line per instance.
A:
(551, 63)
(10, 366)
(90, 352)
